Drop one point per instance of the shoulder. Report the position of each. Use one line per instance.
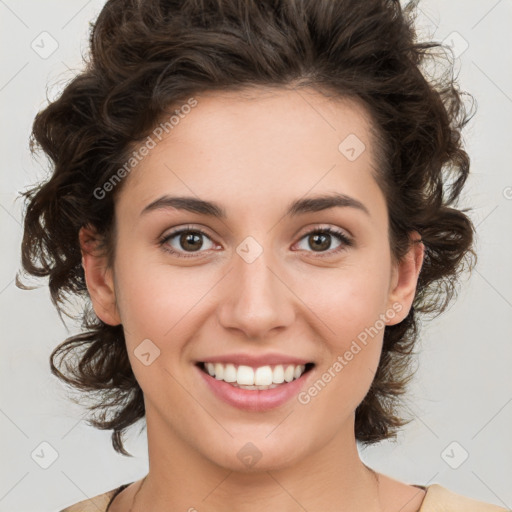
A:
(98, 503)
(441, 499)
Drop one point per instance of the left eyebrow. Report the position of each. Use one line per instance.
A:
(298, 207)
(324, 202)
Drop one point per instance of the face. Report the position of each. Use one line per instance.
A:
(261, 285)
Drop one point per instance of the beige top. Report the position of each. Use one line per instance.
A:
(437, 499)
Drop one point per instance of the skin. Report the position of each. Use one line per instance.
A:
(254, 155)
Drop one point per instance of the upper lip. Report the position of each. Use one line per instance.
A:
(256, 360)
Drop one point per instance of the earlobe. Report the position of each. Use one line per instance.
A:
(405, 278)
(98, 277)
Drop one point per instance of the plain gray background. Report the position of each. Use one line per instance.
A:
(461, 397)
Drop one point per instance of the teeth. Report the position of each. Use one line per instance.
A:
(219, 371)
(261, 388)
(211, 369)
(263, 376)
(278, 374)
(246, 377)
(230, 373)
(289, 373)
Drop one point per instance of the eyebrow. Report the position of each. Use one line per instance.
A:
(298, 207)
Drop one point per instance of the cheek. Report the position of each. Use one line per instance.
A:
(352, 331)
(156, 300)
(138, 300)
(350, 303)
(347, 300)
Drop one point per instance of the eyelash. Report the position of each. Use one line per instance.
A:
(345, 241)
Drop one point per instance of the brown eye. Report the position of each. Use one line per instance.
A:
(185, 241)
(190, 241)
(320, 240)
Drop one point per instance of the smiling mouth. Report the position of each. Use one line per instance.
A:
(255, 378)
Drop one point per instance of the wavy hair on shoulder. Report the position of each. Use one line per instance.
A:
(149, 55)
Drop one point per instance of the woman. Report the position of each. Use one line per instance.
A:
(253, 198)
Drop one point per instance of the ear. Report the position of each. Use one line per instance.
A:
(98, 277)
(404, 279)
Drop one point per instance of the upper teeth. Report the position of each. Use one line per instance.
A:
(261, 376)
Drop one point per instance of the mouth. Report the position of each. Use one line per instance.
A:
(255, 378)
(255, 389)
(252, 378)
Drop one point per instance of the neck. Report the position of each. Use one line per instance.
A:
(330, 477)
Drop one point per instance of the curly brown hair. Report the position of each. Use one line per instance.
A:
(149, 55)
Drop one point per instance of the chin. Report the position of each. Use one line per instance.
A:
(254, 456)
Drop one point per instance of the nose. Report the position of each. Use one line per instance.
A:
(257, 298)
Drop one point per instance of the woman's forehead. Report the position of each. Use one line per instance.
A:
(277, 141)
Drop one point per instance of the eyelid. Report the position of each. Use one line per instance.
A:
(313, 228)
(187, 227)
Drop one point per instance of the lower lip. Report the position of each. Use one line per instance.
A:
(254, 400)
